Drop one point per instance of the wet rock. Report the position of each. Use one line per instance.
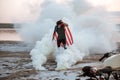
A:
(65, 73)
(9, 68)
(29, 67)
(77, 79)
(4, 65)
(56, 79)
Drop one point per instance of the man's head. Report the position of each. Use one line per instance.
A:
(59, 22)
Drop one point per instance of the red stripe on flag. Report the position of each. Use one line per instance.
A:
(67, 36)
(70, 35)
(67, 42)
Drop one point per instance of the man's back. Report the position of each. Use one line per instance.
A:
(61, 32)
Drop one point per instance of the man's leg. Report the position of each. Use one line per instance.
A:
(64, 43)
(58, 43)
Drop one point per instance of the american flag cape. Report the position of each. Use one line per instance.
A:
(68, 34)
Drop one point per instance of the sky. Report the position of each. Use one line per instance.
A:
(17, 11)
(112, 5)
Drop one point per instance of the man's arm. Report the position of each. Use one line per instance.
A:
(54, 32)
(65, 25)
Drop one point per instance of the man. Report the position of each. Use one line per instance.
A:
(60, 30)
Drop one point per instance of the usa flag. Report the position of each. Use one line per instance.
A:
(68, 34)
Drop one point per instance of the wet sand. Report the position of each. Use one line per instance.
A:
(15, 62)
(17, 66)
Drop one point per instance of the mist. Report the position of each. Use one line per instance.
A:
(92, 28)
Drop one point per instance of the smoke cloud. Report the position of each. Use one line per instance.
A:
(92, 30)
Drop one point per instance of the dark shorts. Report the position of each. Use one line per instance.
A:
(59, 41)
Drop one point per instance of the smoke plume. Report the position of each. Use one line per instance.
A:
(91, 27)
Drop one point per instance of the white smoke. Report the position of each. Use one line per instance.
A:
(92, 29)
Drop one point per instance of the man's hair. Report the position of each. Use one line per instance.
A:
(59, 22)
